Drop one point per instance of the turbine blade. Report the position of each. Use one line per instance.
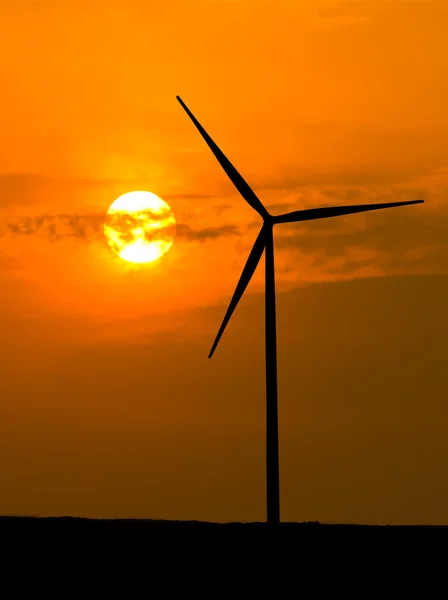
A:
(246, 275)
(241, 185)
(336, 211)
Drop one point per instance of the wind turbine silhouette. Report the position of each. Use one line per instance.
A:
(265, 242)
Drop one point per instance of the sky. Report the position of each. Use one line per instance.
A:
(109, 406)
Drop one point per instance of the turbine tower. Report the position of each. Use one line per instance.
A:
(265, 242)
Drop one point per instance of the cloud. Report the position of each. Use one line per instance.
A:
(406, 240)
(207, 233)
(57, 227)
(89, 228)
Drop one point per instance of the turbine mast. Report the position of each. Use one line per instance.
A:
(272, 459)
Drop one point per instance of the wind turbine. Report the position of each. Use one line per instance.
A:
(265, 242)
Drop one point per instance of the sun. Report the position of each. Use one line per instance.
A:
(140, 227)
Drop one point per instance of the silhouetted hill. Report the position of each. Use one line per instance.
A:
(186, 554)
(98, 528)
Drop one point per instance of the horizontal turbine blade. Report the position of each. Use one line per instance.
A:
(246, 275)
(244, 189)
(336, 211)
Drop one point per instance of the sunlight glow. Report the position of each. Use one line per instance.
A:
(140, 227)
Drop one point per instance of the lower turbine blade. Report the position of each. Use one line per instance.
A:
(246, 276)
(336, 211)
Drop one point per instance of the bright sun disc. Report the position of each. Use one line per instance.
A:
(140, 227)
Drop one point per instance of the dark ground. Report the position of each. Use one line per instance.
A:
(30, 521)
(242, 558)
(77, 523)
(101, 530)
(74, 525)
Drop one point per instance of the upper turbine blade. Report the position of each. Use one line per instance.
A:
(335, 211)
(246, 275)
(247, 193)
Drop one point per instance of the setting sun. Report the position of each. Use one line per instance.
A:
(140, 227)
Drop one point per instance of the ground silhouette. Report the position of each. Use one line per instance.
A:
(239, 557)
(24, 526)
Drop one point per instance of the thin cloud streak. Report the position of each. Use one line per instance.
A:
(89, 228)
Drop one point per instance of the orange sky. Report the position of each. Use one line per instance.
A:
(109, 404)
